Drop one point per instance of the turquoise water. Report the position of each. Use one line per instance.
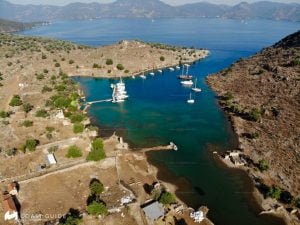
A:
(157, 113)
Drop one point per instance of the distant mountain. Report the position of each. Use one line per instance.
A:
(7, 26)
(148, 9)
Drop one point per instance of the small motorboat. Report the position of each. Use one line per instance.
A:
(152, 73)
(171, 69)
(143, 76)
(160, 71)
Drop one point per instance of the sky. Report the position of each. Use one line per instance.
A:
(171, 2)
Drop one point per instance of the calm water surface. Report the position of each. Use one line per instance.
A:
(157, 113)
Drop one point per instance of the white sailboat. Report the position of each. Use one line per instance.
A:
(171, 69)
(178, 67)
(195, 89)
(133, 77)
(143, 76)
(190, 100)
(152, 73)
(160, 71)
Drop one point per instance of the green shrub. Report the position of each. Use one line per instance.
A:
(255, 114)
(41, 113)
(40, 76)
(45, 71)
(57, 64)
(263, 165)
(74, 152)
(96, 187)
(126, 71)
(60, 87)
(27, 123)
(77, 118)
(62, 102)
(4, 114)
(31, 144)
(167, 198)
(71, 61)
(27, 107)
(97, 152)
(96, 208)
(120, 67)
(162, 58)
(109, 62)
(44, 56)
(274, 192)
(15, 101)
(78, 128)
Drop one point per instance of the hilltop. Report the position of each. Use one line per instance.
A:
(149, 9)
(261, 95)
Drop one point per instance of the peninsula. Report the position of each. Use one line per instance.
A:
(54, 167)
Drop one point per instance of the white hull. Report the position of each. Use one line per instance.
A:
(143, 76)
(191, 101)
(152, 74)
(187, 83)
(171, 69)
(196, 89)
(160, 71)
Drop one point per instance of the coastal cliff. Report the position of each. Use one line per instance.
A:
(261, 95)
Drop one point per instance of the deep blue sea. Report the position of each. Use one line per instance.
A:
(157, 113)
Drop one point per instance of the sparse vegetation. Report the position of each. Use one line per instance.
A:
(255, 114)
(97, 208)
(109, 62)
(30, 145)
(120, 67)
(96, 187)
(274, 192)
(162, 58)
(78, 128)
(27, 123)
(97, 152)
(167, 198)
(74, 152)
(15, 101)
(41, 113)
(27, 107)
(263, 165)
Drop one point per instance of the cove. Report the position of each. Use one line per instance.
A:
(157, 113)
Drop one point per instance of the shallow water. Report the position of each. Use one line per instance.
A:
(157, 113)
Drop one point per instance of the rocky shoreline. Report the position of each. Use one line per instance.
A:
(259, 95)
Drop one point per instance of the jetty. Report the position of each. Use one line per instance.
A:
(171, 146)
(98, 101)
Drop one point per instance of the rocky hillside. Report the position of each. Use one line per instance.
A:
(149, 9)
(262, 96)
(7, 26)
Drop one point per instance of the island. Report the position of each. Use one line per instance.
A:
(261, 96)
(55, 168)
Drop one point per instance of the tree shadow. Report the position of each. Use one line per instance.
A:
(74, 213)
(148, 188)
